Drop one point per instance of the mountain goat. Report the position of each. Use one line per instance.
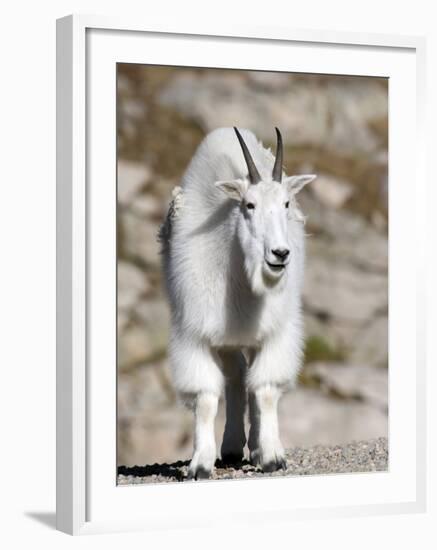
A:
(233, 258)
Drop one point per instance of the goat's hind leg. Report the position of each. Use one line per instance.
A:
(234, 438)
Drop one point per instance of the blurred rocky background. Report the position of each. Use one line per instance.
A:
(333, 126)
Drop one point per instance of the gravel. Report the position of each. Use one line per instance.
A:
(362, 456)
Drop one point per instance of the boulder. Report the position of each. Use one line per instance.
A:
(360, 382)
(146, 337)
(317, 112)
(371, 345)
(148, 206)
(331, 191)
(336, 289)
(132, 284)
(308, 417)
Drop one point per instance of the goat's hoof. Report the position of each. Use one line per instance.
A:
(274, 465)
(199, 473)
(232, 458)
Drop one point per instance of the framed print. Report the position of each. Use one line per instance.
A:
(240, 313)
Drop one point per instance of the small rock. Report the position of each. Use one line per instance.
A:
(122, 320)
(154, 316)
(132, 283)
(131, 178)
(135, 346)
(140, 239)
(133, 108)
(147, 337)
(148, 206)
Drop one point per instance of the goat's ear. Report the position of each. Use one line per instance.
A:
(234, 189)
(295, 183)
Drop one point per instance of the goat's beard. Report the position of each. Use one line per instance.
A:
(261, 279)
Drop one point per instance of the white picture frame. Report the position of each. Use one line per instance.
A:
(88, 500)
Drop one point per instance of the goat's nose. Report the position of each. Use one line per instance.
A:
(281, 253)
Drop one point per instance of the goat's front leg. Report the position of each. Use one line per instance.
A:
(264, 443)
(199, 380)
(273, 370)
(205, 410)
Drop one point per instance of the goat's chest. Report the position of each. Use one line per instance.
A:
(245, 321)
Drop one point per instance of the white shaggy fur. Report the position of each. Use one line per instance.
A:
(235, 311)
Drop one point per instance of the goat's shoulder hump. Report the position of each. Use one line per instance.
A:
(224, 140)
(219, 135)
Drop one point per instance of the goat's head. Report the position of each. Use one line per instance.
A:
(266, 208)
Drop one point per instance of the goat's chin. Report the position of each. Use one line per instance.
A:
(274, 279)
(273, 273)
(264, 280)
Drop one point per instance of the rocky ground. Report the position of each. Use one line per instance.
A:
(335, 127)
(363, 456)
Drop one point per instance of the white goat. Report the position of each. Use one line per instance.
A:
(233, 258)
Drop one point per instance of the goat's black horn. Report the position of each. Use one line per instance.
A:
(253, 172)
(277, 168)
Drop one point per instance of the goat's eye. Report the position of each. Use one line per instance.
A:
(250, 206)
(287, 204)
